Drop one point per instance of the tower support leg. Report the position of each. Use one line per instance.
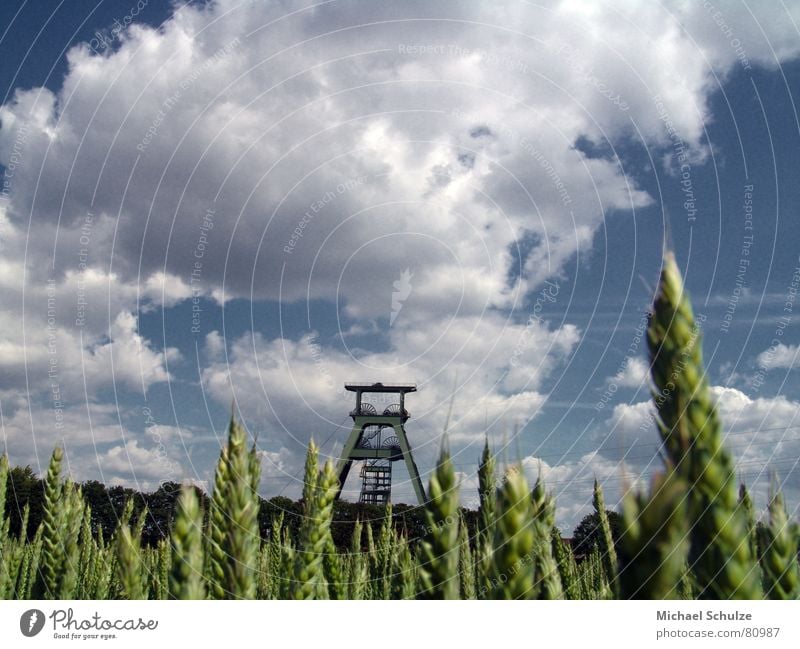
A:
(345, 461)
(413, 472)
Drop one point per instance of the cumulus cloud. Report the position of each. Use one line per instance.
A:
(634, 373)
(218, 137)
(100, 442)
(779, 357)
(465, 127)
(164, 290)
(74, 320)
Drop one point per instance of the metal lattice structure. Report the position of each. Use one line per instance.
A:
(378, 438)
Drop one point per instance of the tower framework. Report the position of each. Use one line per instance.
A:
(378, 438)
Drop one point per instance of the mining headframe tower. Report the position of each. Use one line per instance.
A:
(379, 439)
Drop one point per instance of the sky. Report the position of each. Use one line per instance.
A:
(243, 205)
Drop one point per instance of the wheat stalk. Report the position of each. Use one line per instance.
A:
(438, 552)
(466, 563)
(5, 541)
(547, 580)
(404, 572)
(607, 549)
(274, 552)
(779, 558)
(129, 564)
(233, 541)
(53, 521)
(687, 420)
(186, 573)
(487, 490)
(567, 568)
(73, 510)
(515, 540)
(654, 540)
(746, 504)
(87, 555)
(4, 521)
(357, 570)
(319, 492)
(288, 558)
(384, 551)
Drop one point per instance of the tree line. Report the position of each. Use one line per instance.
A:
(25, 488)
(108, 503)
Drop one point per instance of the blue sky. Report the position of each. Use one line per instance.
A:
(254, 202)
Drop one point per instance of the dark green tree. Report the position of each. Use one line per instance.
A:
(587, 534)
(24, 488)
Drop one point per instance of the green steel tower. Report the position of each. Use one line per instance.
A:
(378, 438)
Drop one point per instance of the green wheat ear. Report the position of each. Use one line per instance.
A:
(515, 540)
(234, 538)
(653, 546)
(73, 510)
(404, 572)
(383, 557)
(308, 567)
(720, 555)
(51, 561)
(466, 563)
(439, 550)
(5, 539)
(746, 503)
(487, 490)
(319, 492)
(779, 559)
(186, 573)
(547, 579)
(567, 568)
(129, 564)
(357, 569)
(3, 481)
(217, 524)
(6, 569)
(607, 549)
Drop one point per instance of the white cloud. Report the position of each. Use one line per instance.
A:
(162, 289)
(780, 357)
(42, 356)
(204, 142)
(131, 463)
(214, 346)
(99, 442)
(444, 159)
(634, 374)
(78, 330)
(126, 358)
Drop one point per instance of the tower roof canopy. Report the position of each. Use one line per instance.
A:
(381, 387)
